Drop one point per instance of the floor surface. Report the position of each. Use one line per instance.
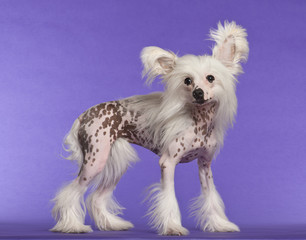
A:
(40, 231)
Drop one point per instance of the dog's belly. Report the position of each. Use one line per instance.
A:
(145, 141)
(192, 155)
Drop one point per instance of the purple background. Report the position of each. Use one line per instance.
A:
(58, 58)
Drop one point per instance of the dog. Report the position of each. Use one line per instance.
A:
(187, 121)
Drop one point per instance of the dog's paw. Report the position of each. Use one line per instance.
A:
(175, 231)
(76, 228)
(114, 223)
(121, 225)
(221, 225)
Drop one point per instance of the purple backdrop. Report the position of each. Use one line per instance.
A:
(58, 58)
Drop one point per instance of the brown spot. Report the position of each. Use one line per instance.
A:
(97, 150)
(113, 124)
(179, 150)
(202, 144)
(97, 140)
(175, 155)
(176, 140)
(93, 160)
(84, 178)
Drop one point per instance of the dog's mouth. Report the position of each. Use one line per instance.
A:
(200, 101)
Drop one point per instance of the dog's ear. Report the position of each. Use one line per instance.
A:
(156, 61)
(231, 46)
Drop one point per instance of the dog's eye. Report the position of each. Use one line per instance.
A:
(210, 78)
(188, 81)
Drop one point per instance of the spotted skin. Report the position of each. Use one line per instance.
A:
(198, 141)
(100, 127)
(103, 124)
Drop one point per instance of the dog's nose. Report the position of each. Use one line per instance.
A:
(198, 94)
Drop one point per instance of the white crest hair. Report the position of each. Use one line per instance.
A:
(165, 112)
(168, 113)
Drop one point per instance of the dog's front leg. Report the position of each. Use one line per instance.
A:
(165, 213)
(209, 207)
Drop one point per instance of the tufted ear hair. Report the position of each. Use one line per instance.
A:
(156, 61)
(231, 46)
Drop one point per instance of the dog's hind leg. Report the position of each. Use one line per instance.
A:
(69, 209)
(208, 208)
(102, 206)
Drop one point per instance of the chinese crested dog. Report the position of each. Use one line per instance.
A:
(187, 121)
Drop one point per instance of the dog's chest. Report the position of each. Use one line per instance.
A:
(200, 141)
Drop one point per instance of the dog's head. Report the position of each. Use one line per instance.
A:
(201, 79)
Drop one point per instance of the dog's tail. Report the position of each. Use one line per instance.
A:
(71, 144)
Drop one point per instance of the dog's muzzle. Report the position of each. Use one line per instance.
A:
(198, 94)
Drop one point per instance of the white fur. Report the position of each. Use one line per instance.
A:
(164, 211)
(71, 144)
(103, 209)
(69, 209)
(231, 45)
(156, 61)
(209, 213)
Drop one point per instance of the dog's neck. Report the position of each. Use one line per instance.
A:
(204, 114)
